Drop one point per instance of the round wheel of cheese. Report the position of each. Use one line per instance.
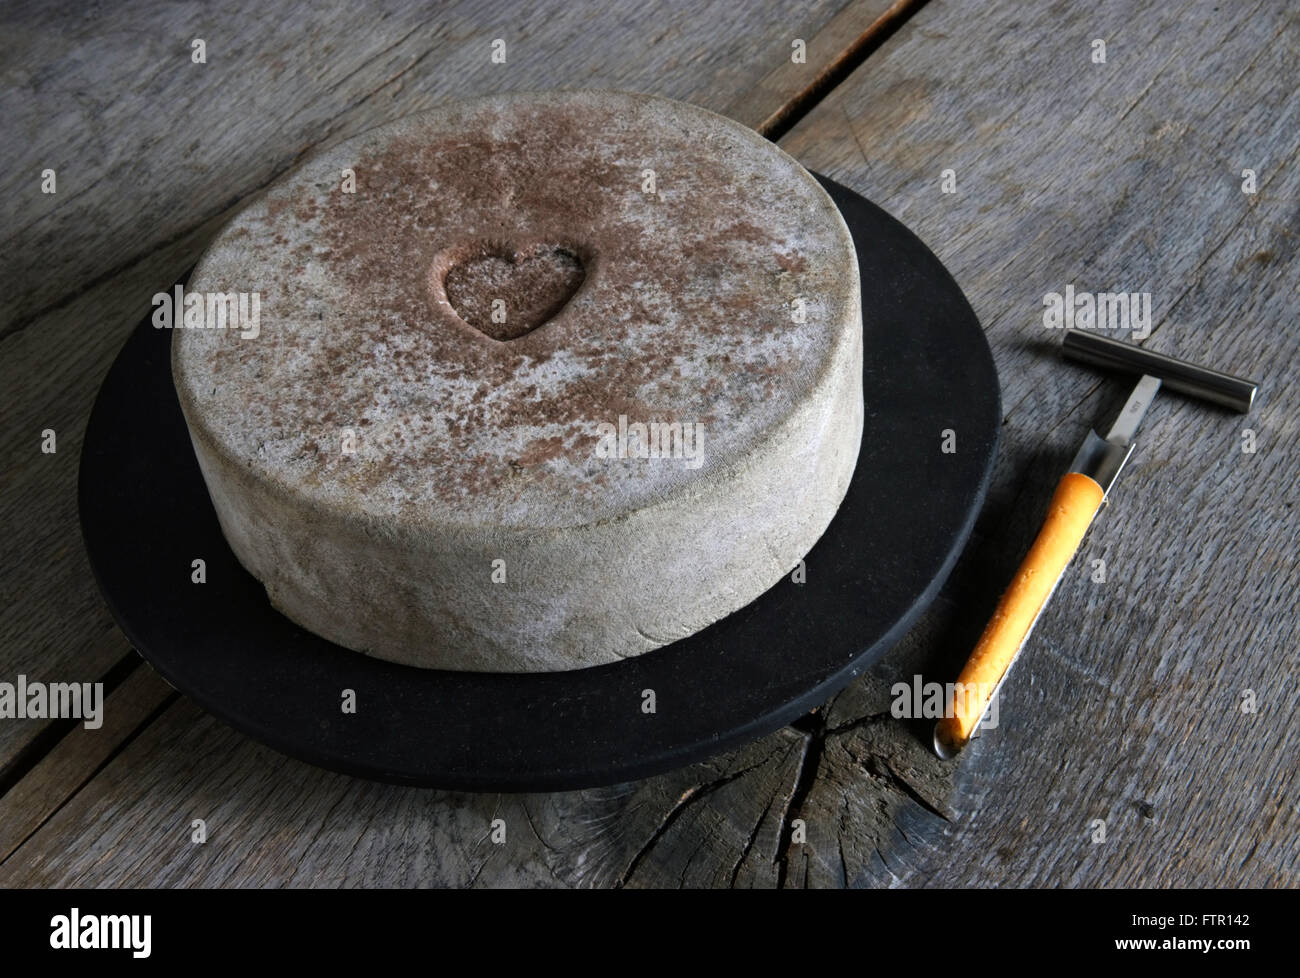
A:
(530, 382)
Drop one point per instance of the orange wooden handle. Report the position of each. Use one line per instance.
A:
(1073, 507)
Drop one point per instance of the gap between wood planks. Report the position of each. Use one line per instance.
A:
(841, 47)
(36, 788)
(868, 32)
(56, 730)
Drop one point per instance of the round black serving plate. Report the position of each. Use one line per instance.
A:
(146, 516)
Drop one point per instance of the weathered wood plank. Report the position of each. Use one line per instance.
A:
(792, 87)
(1126, 175)
(1126, 707)
(270, 821)
(76, 757)
(56, 627)
(154, 154)
(148, 145)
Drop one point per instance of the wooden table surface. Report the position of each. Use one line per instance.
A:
(1160, 702)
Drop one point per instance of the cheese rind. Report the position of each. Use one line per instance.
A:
(493, 512)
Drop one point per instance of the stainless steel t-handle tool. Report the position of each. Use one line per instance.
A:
(1078, 497)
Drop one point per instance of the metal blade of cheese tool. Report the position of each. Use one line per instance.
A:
(1102, 459)
(1126, 425)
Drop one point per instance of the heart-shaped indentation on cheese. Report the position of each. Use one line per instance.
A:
(507, 291)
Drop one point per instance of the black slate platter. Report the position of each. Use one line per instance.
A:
(146, 515)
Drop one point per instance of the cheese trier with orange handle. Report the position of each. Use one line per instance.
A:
(1077, 499)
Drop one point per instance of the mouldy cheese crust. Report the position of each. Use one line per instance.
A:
(469, 449)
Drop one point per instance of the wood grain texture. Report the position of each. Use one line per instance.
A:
(1126, 705)
(148, 145)
(832, 52)
(154, 154)
(78, 755)
(56, 627)
(271, 821)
